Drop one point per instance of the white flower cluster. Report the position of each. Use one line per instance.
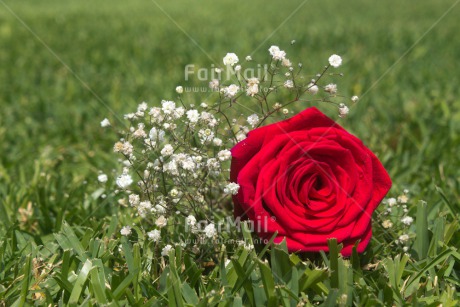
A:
(253, 87)
(397, 219)
(230, 59)
(175, 157)
(335, 60)
(276, 53)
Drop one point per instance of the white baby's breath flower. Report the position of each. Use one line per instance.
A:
(403, 199)
(331, 88)
(208, 118)
(168, 106)
(213, 164)
(355, 99)
(161, 221)
(288, 84)
(253, 120)
(142, 107)
(273, 50)
(253, 87)
(156, 115)
(210, 230)
(105, 123)
(276, 53)
(174, 193)
(312, 88)
(237, 68)
(224, 155)
(387, 224)
(407, 220)
(231, 90)
(126, 148)
(134, 199)
(125, 231)
(343, 110)
(167, 150)
(240, 136)
(230, 59)
(140, 132)
(232, 188)
(193, 116)
(335, 60)
(144, 207)
(171, 168)
(248, 58)
(102, 178)
(403, 238)
(217, 142)
(391, 201)
(204, 105)
(190, 220)
(206, 135)
(165, 251)
(130, 116)
(188, 164)
(160, 208)
(179, 89)
(156, 134)
(124, 180)
(286, 63)
(154, 235)
(178, 112)
(214, 84)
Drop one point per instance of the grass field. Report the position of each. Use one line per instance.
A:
(65, 65)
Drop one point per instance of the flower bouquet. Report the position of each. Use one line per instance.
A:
(297, 178)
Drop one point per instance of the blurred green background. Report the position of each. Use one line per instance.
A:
(63, 62)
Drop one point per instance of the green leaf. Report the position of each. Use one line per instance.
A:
(345, 279)
(124, 284)
(73, 240)
(243, 281)
(281, 263)
(189, 294)
(237, 301)
(422, 236)
(192, 270)
(440, 258)
(174, 292)
(79, 283)
(452, 209)
(438, 236)
(331, 300)
(260, 297)
(97, 278)
(334, 262)
(313, 279)
(268, 282)
(293, 284)
(25, 282)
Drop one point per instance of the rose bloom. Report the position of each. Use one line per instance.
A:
(309, 180)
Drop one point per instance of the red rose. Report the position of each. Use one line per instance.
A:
(310, 180)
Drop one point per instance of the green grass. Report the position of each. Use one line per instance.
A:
(65, 65)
